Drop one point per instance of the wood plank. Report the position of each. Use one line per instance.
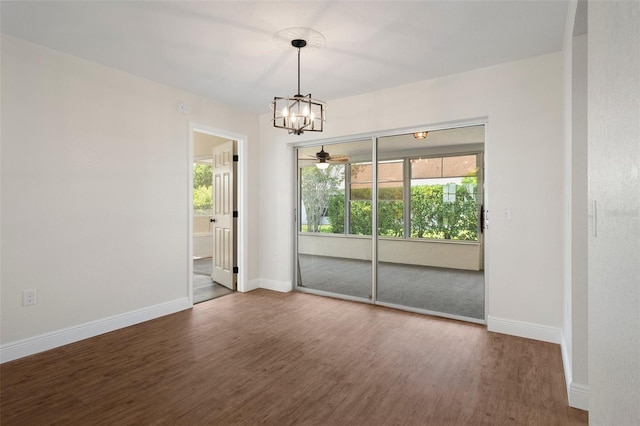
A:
(266, 357)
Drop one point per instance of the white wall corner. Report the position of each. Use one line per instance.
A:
(566, 363)
(579, 396)
(544, 333)
(33, 345)
(253, 284)
(281, 286)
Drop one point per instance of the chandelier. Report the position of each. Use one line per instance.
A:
(420, 135)
(298, 113)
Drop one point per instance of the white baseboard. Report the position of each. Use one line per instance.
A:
(251, 285)
(281, 286)
(566, 363)
(579, 396)
(43, 342)
(524, 329)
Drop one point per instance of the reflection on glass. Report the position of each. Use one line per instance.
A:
(429, 248)
(444, 192)
(427, 196)
(334, 234)
(322, 199)
(390, 198)
(360, 205)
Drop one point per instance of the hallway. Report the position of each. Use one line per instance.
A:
(203, 287)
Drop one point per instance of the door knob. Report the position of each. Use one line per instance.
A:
(211, 219)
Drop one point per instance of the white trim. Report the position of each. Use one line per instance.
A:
(242, 185)
(394, 132)
(577, 393)
(190, 159)
(430, 313)
(475, 121)
(579, 396)
(544, 333)
(281, 286)
(334, 295)
(43, 342)
(253, 284)
(566, 363)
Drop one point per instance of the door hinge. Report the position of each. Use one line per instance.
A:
(235, 269)
(235, 213)
(235, 158)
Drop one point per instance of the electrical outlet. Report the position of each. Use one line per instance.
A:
(29, 297)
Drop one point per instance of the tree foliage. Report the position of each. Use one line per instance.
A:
(202, 197)
(202, 187)
(317, 188)
(202, 175)
(431, 217)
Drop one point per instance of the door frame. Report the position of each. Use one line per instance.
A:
(241, 195)
(484, 121)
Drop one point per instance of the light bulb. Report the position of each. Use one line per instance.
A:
(322, 166)
(285, 112)
(420, 135)
(305, 111)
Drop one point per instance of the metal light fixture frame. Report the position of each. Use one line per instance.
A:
(420, 135)
(298, 113)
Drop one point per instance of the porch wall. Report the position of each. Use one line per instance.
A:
(444, 254)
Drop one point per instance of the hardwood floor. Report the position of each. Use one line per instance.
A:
(291, 359)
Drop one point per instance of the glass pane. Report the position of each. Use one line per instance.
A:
(416, 267)
(334, 238)
(424, 168)
(322, 199)
(361, 181)
(459, 166)
(202, 189)
(445, 207)
(390, 198)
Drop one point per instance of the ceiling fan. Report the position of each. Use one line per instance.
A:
(324, 158)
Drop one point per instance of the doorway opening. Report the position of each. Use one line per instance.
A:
(213, 206)
(396, 220)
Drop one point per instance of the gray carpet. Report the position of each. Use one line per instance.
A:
(450, 291)
(204, 288)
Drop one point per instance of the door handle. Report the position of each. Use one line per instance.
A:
(211, 219)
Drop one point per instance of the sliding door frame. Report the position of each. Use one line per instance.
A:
(374, 136)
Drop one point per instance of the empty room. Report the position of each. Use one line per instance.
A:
(320, 213)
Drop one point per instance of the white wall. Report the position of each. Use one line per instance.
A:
(95, 169)
(524, 161)
(614, 184)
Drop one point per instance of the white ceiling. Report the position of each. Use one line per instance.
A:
(224, 50)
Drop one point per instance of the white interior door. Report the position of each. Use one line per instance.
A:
(223, 222)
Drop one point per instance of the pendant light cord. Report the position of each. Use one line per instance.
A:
(299, 94)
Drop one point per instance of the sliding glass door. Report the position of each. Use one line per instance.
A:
(334, 220)
(429, 239)
(425, 196)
